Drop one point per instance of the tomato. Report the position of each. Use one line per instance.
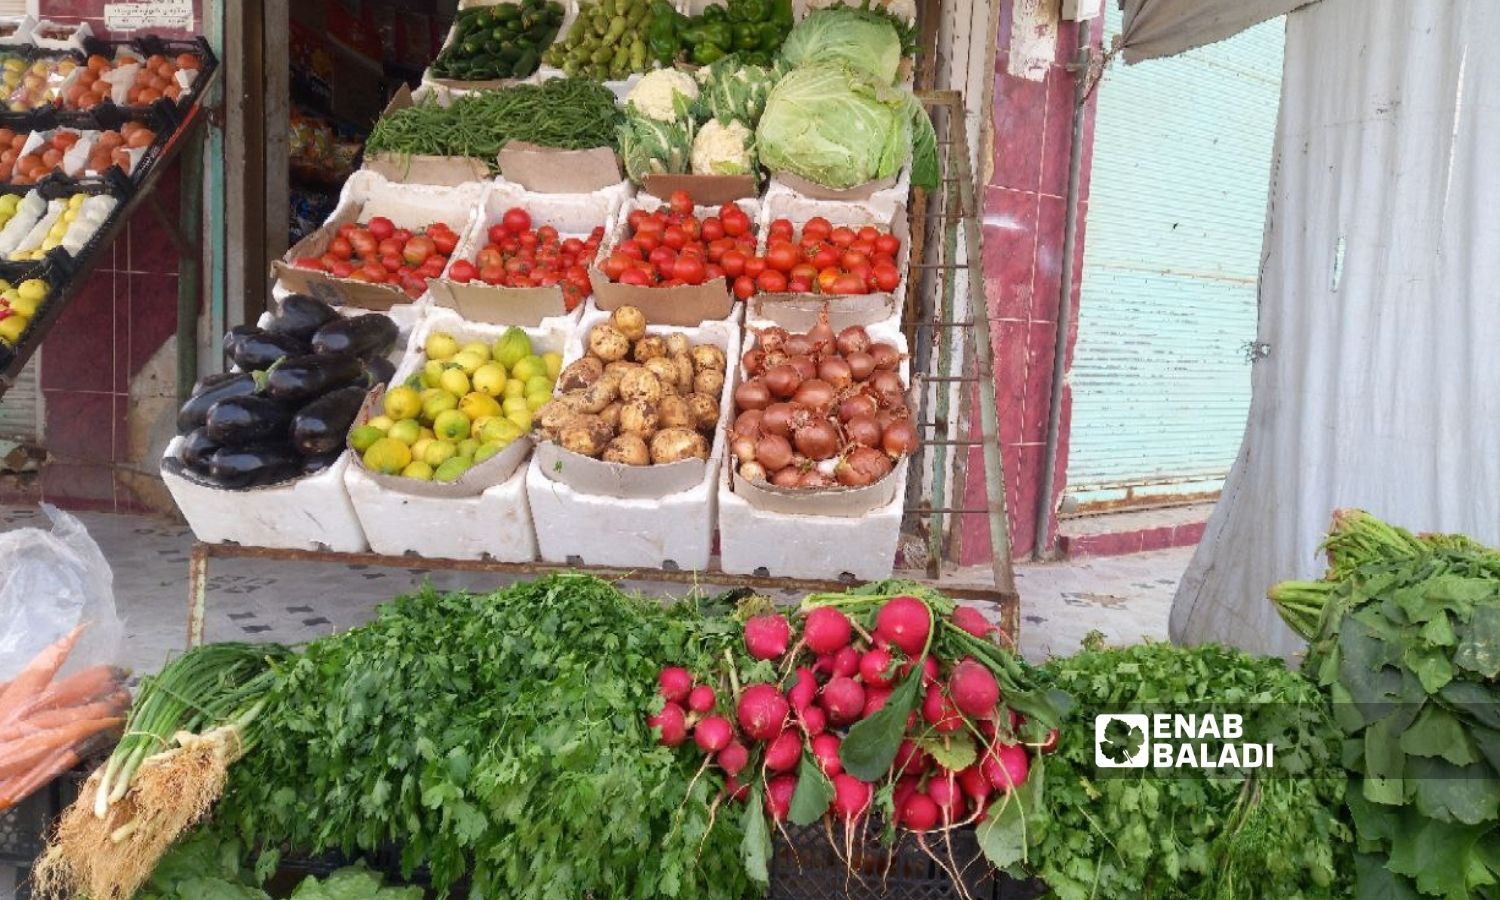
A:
(637, 276)
(744, 287)
(445, 241)
(517, 267)
(781, 228)
(635, 218)
(689, 270)
(630, 248)
(418, 249)
(341, 247)
(827, 277)
(650, 224)
(346, 229)
(546, 279)
(755, 265)
(733, 262)
(326, 261)
(841, 236)
(402, 234)
(497, 233)
(799, 286)
(674, 237)
(691, 227)
(516, 220)
(388, 247)
(463, 272)
(527, 240)
(682, 202)
(616, 264)
(861, 246)
(662, 258)
(363, 242)
(817, 228)
(736, 222)
(888, 244)
(648, 241)
(712, 228)
(391, 262)
(849, 284)
(886, 276)
(827, 257)
(862, 272)
(782, 256)
(489, 255)
(414, 286)
(375, 271)
(310, 262)
(509, 245)
(492, 275)
(342, 268)
(381, 227)
(579, 276)
(852, 260)
(869, 233)
(771, 281)
(713, 271)
(359, 275)
(804, 271)
(433, 266)
(547, 234)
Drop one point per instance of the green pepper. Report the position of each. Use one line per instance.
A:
(750, 10)
(715, 14)
(746, 36)
(781, 14)
(705, 54)
(720, 34)
(771, 36)
(662, 39)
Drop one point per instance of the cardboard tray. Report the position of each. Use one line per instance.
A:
(707, 190)
(549, 170)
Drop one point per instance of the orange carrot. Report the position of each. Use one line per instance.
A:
(48, 719)
(83, 686)
(34, 678)
(22, 786)
(21, 754)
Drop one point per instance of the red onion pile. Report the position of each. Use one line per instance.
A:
(820, 409)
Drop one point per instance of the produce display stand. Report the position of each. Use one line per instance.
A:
(950, 356)
(143, 194)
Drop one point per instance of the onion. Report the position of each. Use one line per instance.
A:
(748, 423)
(864, 430)
(815, 394)
(782, 381)
(857, 405)
(743, 447)
(804, 366)
(800, 461)
(772, 338)
(788, 477)
(773, 452)
(752, 471)
(821, 334)
(860, 364)
(812, 478)
(778, 419)
(754, 361)
(886, 356)
(862, 466)
(835, 370)
(752, 394)
(885, 417)
(798, 345)
(887, 387)
(900, 438)
(853, 339)
(817, 439)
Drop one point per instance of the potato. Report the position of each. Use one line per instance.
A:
(676, 444)
(611, 416)
(629, 321)
(705, 412)
(551, 417)
(640, 384)
(628, 450)
(649, 347)
(639, 418)
(620, 367)
(684, 364)
(708, 357)
(710, 382)
(666, 372)
(580, 373)
(584, 434)
(596, 396)
(674, 412)
(607, 343)
(677, 344)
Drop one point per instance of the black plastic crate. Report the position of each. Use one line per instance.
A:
(149, 45)
(805, 866)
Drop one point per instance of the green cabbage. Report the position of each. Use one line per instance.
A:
(857, 37)
(653, 147)
(839, 127)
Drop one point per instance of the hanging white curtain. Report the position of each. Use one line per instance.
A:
(1379, 306)
(1156, 28)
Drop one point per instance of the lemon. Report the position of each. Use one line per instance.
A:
(490, 379)
(428, 433)
(439, 452)
(407, 431)
(538, 400)
(486, 451)
(500, 431)
(418, 470)
(512, 346)
(419, 449)
(12, 327)
(455, 381)
(514, 387)
(451, 425)
(31, 289)
(528, 367)
(440, 346)
(387, 456)
(381, 423)
(470, 361)
(363, 436)
(476, 427)
(476, 405)
(553, 362)
(479, 349)
(432, 373)
(467, 448)
(437, 403)
(25, 306)
(76, 200)
(403, 403)
(452, 469)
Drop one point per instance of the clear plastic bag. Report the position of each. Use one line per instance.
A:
(51, 581)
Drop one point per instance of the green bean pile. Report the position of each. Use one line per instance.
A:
(566, 113)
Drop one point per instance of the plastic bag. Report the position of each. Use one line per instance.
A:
(50, 581)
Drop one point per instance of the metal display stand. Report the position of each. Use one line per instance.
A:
(946, 325)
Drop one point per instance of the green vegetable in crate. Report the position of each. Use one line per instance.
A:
(653, 147)
(724, 149)
(860, 38)
(608, 40)
(732, 90)
(752, 30)
(502, 41)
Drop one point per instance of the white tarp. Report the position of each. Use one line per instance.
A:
(1379, 306)
(1156, 28)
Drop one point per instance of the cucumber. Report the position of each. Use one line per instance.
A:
(525, 65)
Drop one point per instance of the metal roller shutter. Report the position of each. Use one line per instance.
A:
(21, 407)
(1176, 211)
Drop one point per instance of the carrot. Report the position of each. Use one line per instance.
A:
(20, 787)
(48, 719)
(34, 678)
(21, 754)
(83, 686)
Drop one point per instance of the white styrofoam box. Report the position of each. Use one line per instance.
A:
(675, 531)
(78, 33)
(799, 210)
(310, 513)
(782, 199)
(20, 27)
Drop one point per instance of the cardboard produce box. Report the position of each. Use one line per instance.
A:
(550, 170)
(706, 190)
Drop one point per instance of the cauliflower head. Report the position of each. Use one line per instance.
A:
(723, 149)
(665, 95)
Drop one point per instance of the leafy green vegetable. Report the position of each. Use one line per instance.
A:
(653, 147)
(756, 846)
(354, 883)
(858, 38)
(871, 745)
(734, 92)
(813, 794)
(841, 127)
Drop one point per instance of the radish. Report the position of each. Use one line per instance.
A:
(930, 669)
(910, 759)
(826, 630)
(905, 621)
(905, 787)
(944, 791)
(875, 698)
(975, 783)
(675, 683)
(804, 690)
(762, 711)
(973, 621)
(973, 688)
(940, 712)
(846, 662)
(779, 796)
(1049, 745)
(851, 797)
(1006, 766)
(673, 725)
(733, 758)
(701, 699)
(844, 700)
(823, 665)
(713, 734)
(766, 636)
(826, 748)
(783, 754)
(988, 729)
(918, 813)
(814, 720)
(875, 668)
(735, 790)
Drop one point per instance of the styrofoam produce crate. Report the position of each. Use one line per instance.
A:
(495, 523)
(310, 513)
(782, 199)
(671, 532)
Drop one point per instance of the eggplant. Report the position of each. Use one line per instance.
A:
(300, 316)
(259, 351)
(197, 447)
(209, 390)
(311, 465)
(301, 378)
(233, 338)
(254, 465)
(362, 336)
(238, 421)
(322, 425)
(380, 370)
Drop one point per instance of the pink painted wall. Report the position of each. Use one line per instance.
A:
(1024, 216)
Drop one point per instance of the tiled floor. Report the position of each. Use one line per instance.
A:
(1127, 597)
